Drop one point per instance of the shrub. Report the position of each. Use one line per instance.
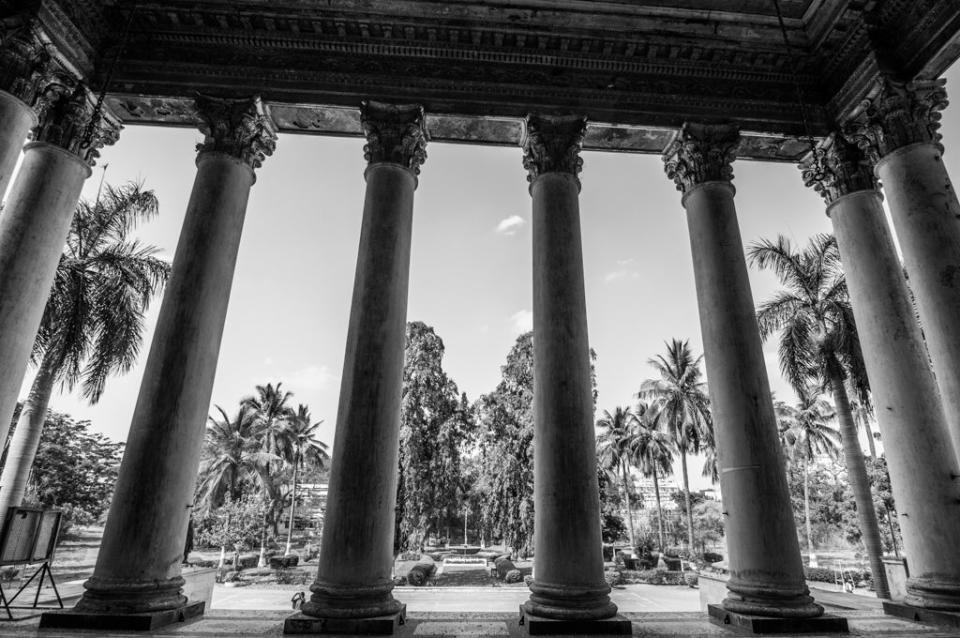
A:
(712, 557)
(206, 563)
(827, 575)
(249, 560)
(420, 574)
(692, 579)
(399, 581)
(513, 576)
(292, 577)
(672, 563)
(653, 577)
(503, 566)
(527, 580)
(284, 562)
(409, 556)
(613, 577)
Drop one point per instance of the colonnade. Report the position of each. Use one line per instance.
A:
(138, 567)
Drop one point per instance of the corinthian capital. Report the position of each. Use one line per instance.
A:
(552, 144)
(69, 117)
(701, 153)
(241, 128)
(396, 134)
(898, 114)
(24, 59)
(836, 168)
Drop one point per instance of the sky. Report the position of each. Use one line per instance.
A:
(471, 261)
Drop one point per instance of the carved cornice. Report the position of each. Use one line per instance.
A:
(552, 144)
(396, 134)
(898, 114)
(68, 117)
(701, 153)
(241, 128)
(836, 168)
(25, 61)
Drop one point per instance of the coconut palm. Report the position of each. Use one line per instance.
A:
(819, 347)
(614, 450)
(93, 322)
(679, 397)
(863, 418)
(301, 447)
(653, 453)
(807, 434)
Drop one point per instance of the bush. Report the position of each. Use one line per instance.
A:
(206, 563)
(712, 557)
(613, 577)
(653, 577)
(409, 556)
(420, 574)
(692, 579)
(672, 563)
(249, 560)
(292, 577)
(284, 562)
(827, 575)
(503, 565)
(399, 581)
(513, 576)
(527, 580)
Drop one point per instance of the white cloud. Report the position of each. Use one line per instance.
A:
(510, 225)
(626, 262)
(312, 377)
(522, 320)
(623, 273)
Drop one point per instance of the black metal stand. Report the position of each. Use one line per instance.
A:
(43, 572)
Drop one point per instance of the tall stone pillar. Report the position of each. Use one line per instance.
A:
(136, 583)
(908, 407)
(897, 130)
(352, 593)
(569, 588)
(36, 219)
(766, 573)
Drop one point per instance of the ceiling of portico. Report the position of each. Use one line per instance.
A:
(637, 69)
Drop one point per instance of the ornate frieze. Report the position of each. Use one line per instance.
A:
(242, 128)
(898, 114)
(552, 144)
(396, 133)
(836, 168)
(68, 117)
(24, 59)
(701, 153)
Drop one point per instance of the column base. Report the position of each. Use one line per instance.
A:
(379, 626)
(922, 614)
(750, 624)
(146, 621)
(531, 625)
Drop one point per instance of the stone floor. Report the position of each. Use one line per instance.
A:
(241, 623)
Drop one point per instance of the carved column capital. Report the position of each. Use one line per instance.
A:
(552, 144)
(396, 134)
(241, 128)
(898, 114)
(701, 153)
(836, 168)
(68, 117)
(25, 61)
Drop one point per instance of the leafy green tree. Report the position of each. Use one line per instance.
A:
(92, 326)
(615, 451)
(611, 523)
(299, 447)
(883, 495)
(819, 347)
(653, 452)
(232, 458)
(679, 398)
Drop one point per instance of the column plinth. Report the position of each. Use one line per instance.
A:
(568, 562)
(138, 566)
(907, 402)
(766, 572)
(356, 559)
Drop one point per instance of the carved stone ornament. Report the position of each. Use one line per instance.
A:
(396, 133)
(552, 144)
(836, 168)
(701, 153)
(242, 128)
(68, 118)
(899, 114)
(24, 59)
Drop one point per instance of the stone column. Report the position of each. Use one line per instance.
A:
(766, 573)
(138, 567)
(908, 406)
(569, 583)
(898, 131)
(352, 593)
(36, 219)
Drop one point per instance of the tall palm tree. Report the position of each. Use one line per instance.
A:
(863, 419)
(92, 326)
(614, 449)
(301, 447)
(653, 453)
(807, 434)
(679, 397)
(819, 347)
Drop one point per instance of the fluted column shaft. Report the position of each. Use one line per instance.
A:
(908, 407)
(766, 572)
(356, 558)
(138, 566)
(898, 133)
(16, 120)
(568, 562)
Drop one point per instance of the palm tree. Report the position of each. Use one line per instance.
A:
(819, 347)
(301, 447)
(807, 435)
(680, 400)
(92, 325)
(652, 451)
(863, 419)
(614, 448)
